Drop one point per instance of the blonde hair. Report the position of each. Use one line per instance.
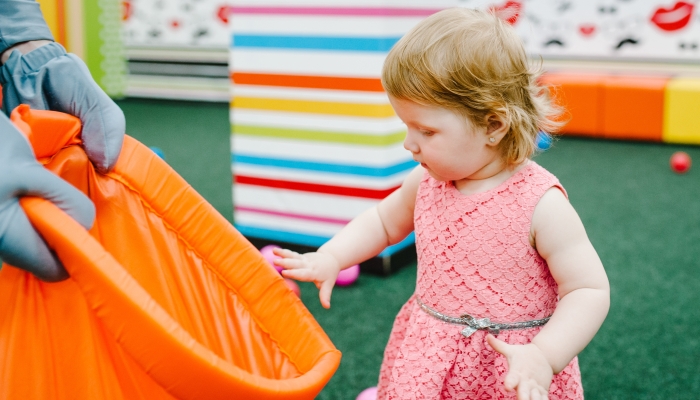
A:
(473, 63)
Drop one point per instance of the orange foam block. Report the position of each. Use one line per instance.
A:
(581, 95)
(633, 107)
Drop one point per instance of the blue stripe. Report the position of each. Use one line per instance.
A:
(311, 240)
(323, 167)
(374, 44)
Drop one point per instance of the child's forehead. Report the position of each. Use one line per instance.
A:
(412, 112)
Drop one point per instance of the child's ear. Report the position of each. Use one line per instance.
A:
(496, 128)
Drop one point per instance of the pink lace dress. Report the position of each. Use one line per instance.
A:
(474, 257)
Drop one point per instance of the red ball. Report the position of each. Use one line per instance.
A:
(680, 162)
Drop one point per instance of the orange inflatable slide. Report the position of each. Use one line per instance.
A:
(166, 299)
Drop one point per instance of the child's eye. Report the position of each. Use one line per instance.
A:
(427, 133)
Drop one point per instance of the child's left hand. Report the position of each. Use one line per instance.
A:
(529, 371)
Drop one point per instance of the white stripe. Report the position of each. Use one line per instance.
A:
(317, 122)
(303, 203)
(345, 96)
(306, 62)
(323, 152)
(323, 25)
(319, 177)
(278, 223)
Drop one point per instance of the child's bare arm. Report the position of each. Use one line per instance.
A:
(364, 237)
(584, 294)
(584, 291)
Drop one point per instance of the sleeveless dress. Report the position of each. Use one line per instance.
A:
(474, 257)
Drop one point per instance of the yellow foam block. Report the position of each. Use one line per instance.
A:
(682, 111)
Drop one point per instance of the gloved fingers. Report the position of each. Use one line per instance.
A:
(103, 121)
(48, 78)
(21, 246)
(40, 182)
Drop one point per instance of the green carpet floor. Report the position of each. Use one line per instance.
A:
(643, 219)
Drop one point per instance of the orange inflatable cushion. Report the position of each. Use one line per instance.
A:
(166, 299)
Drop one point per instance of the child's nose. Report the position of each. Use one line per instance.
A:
(410, 144)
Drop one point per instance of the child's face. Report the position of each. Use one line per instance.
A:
(446, 143)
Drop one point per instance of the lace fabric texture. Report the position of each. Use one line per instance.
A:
(474, 257)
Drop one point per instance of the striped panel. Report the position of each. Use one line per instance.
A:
(306, 62)
(316, 205)
(371, 44)
(276, 234)
(305, 81)
(315, 188)
(335, 11)
(315, 141)
(243, 209)
(367, 182)
(343, 96)
(318, 136)
(325, 167)
(314, 107)
(319, 122)
(323, 152)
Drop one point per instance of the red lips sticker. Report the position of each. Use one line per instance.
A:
(127, 10)
(509, 12)
(674, 18)
(586, 29)
(222, 13)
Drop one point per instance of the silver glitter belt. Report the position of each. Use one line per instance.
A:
(484, 324)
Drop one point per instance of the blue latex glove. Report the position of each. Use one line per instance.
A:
(48, 78)
(20, 175)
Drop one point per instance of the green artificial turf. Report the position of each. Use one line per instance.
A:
(195, 139)
(642, 218)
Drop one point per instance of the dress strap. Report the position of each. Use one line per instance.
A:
(475, 324)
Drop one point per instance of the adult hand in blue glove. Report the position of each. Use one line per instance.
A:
(22, 175)
(42, 75)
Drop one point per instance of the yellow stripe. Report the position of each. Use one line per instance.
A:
(315, 107)
(49, 8)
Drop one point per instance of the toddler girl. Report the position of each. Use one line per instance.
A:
(509, 287)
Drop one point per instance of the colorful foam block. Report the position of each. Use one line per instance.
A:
(582, 97)
(682, 111)
(633, 107)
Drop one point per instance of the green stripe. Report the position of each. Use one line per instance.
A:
(318, 136)
(104, 53)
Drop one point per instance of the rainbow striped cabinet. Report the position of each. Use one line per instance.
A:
(314, 141)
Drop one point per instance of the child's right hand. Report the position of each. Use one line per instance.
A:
(319, 268)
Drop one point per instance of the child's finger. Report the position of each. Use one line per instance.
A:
(498, 345)
(538, 393)
(285, 253)
(511, 381)
(303, 275)
(325, 291)
(524, 390)
(288, 263)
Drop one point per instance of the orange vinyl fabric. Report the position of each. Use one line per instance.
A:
(166, 299)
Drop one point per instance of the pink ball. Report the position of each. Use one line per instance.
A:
(270, 256)
(348, 276)
(368, 394)
(293, 286)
